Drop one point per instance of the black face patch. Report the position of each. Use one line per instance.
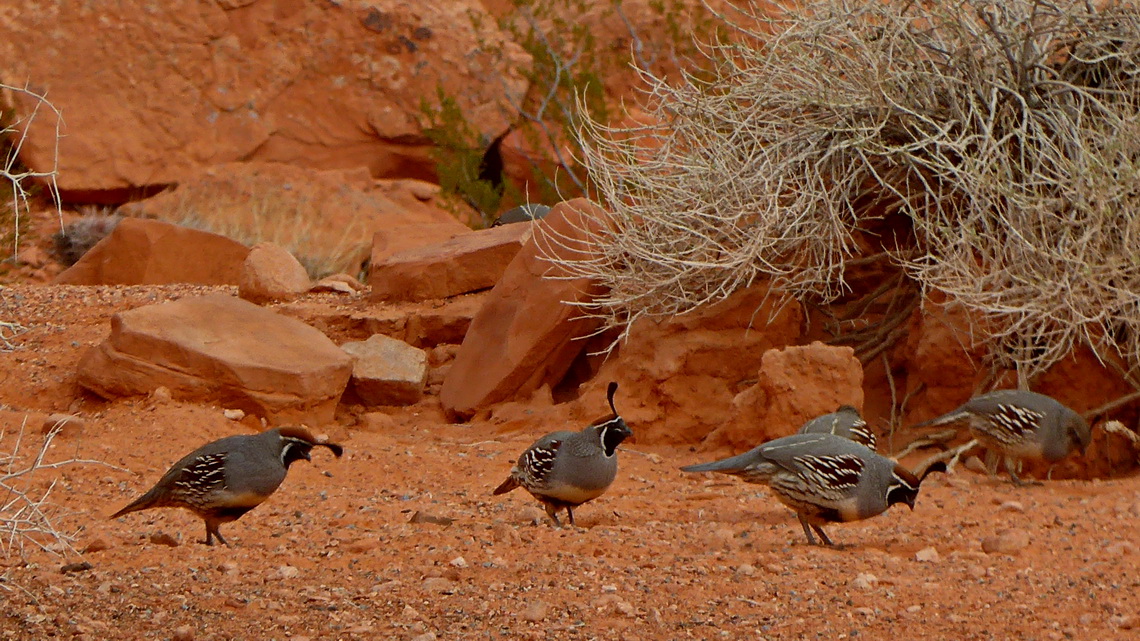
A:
(839, 471)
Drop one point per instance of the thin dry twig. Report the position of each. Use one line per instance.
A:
(27, 516)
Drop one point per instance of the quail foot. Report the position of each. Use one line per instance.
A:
(224, 479)
(566, 469)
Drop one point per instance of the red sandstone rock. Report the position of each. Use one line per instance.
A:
(270, 273)
(525, 334)
(224, 350)
(794, 385)
(679, 376)
(461, 264)
(180, 87)
(387, 371)
(150, 252)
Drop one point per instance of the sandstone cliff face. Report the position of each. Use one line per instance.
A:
(150, 92)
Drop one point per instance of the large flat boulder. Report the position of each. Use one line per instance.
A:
(224, 350)
(458, 265)
(525, 334)
(151, 252)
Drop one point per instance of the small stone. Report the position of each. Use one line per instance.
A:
(424, 517)
(458, 562)
(161, 395)
(411, 613)
(864, 581)
(162, 538)
(229, 568)
(183, 633)
(609, 589)
(1122, 621)
(427, 636)
(96, 545)
(288, 572)
(867, 612)
(233, 414)
(1007, 542)
(437, 584)
(914, 608)
(976, 571)
(1012, 506)
(535, 611)
(73, 568)
(975, 464)
(64, 425)
(927, 555)
(746, 570)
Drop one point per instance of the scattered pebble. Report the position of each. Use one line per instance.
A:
(1012, 506)
(183, 633)
(458, 562)
(1007, 542)
(864, 581)
(73, 568)
(423, 517)
(535, 611)
(288, 572)
(96, 545)
(162, 538)
(233, 414)
(927, 555)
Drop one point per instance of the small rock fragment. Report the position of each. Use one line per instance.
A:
(927, 555)
(96, 545)
(864, 581)
(184, 633)
(1012, 506)
(535, 611)
(233, 414)
(288, 572)
(1007, 542)
(458, 562)
(423, 517)
(162, 538)
(72, 568)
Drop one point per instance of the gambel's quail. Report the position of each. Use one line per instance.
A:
(223, 480)
(565, 469)
(1016, 425)
(844, 422)
(824, 478)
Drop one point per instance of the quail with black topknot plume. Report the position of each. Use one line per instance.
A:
(222, 480)
(566, 469)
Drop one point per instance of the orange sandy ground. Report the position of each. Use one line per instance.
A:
(663, 555)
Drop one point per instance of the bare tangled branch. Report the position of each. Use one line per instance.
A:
(27, 516)
(15, 135)
(1006, 133)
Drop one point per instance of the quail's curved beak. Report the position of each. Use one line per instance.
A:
(910, 503)
(307, 455)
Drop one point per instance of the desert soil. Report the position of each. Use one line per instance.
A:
(663, 555)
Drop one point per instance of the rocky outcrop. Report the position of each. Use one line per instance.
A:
(387, 371)
(149, 97)
(680, 375)
(326, 219)
(461, 264)
(223, 350)
(526, 334)
(151, 252)
(794, 385)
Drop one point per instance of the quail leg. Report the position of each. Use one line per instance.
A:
(552, 512)
(212, 531)
(1011, 466)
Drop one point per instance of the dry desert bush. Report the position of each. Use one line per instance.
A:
(1006, 135)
